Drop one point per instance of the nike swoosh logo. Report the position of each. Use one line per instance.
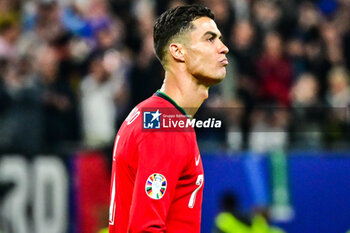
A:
(198, 159)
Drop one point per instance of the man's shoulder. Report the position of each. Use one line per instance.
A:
(143, 119)
(133, 123)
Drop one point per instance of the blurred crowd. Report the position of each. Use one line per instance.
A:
(71, 70)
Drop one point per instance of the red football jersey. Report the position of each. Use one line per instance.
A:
(157, 176)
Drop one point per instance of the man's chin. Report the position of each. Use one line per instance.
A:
(213, 79)
(220, 77)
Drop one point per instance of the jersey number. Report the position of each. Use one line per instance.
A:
(199, 182)
(112, 201)
(132, 116)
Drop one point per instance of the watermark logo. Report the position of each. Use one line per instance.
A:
(152, 120)
(169, 120)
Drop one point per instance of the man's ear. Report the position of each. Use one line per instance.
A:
(176, 50)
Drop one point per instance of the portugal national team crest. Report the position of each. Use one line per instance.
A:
(156, 186)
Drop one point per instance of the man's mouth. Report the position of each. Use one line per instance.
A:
(224, 61)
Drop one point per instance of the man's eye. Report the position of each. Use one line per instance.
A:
(211, 39)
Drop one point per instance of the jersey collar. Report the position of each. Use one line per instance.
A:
(167, 98)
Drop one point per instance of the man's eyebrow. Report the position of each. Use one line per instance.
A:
(213, 34)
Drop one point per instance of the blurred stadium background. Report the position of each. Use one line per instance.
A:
(70, 71)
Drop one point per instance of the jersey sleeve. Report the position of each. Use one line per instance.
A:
(161, 159)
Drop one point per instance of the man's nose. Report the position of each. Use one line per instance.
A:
(223, 48)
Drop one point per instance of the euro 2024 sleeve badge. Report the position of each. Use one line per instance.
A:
(156, 186)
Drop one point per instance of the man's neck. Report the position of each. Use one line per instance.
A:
(185, 90)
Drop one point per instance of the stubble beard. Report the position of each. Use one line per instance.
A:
(211, 79)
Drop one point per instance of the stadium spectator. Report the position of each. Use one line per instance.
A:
(274, 72)
(23, 110)
(101, 89)
(47, 20)
(225, 15)
(338, 99)
(146, 74)
(243, 48)
(308, 113)
(269, 129)
(58, 100)
(296, 52)
(339, 90)
(266, 15)
(9, 32)
(231, 219)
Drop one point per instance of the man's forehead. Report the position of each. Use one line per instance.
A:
(205, 24)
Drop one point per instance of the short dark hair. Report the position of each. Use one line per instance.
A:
(175, 21)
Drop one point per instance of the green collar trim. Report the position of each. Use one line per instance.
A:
(166, 97)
